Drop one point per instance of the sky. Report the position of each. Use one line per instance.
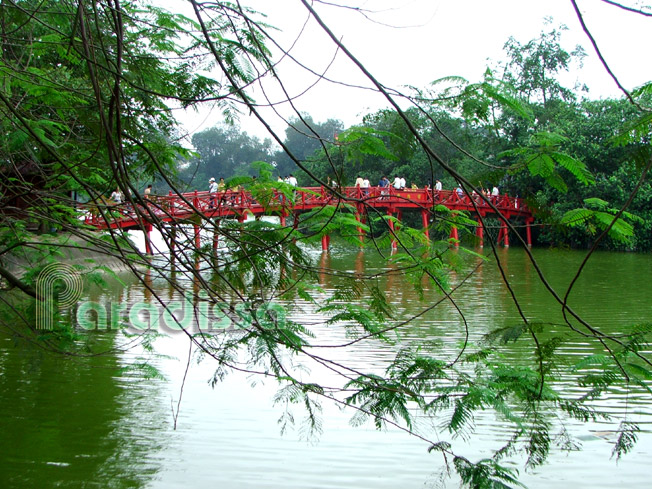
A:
(413, 42)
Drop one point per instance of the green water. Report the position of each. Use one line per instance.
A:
(94, 422)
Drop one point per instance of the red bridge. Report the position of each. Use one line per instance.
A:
(237, 204)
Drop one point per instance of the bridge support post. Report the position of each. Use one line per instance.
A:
(359, 229)
(325, 242)
(173, 241)
(390, 223)
(148, 239)
(216, 235)
(295, 224)
(503, 235)
(479, 232)
(197, 237)
(424, 222)
(455, 236)
(528, 232)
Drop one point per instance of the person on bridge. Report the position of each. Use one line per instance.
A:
(494, 194)
(438, 186)
(383, 184)
(212, 186)
(148, 192)
(116, 196)
(365, 186)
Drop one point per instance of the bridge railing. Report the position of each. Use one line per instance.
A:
(428, 197)
(235, 202)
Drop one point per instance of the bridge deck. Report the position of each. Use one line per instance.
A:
(234, 204)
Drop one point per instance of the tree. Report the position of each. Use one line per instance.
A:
(304, 137)
(125, 65)
(533, 68)
(224, 151)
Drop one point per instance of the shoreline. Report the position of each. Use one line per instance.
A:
(69, 249)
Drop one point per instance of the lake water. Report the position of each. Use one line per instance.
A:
(98, 422)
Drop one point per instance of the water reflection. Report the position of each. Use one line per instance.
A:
(76, 422)
(324, 269)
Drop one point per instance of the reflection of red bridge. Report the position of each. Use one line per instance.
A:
(237, 204)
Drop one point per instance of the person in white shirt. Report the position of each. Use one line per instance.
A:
(359, 181)
(116, 196)
(397, 182)
(212, 186)
(402, 182)
(438, 186)
(365, 185)
(494, 194)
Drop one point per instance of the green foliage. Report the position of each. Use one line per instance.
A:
(295, 394)
(380, 399)
(353, 315)
(478, 101)
(597, 215)
(627, 437)
(330, 219)
(359, 141)
(542, 158)
(485, 474)
(433, 268)
(626, 362)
